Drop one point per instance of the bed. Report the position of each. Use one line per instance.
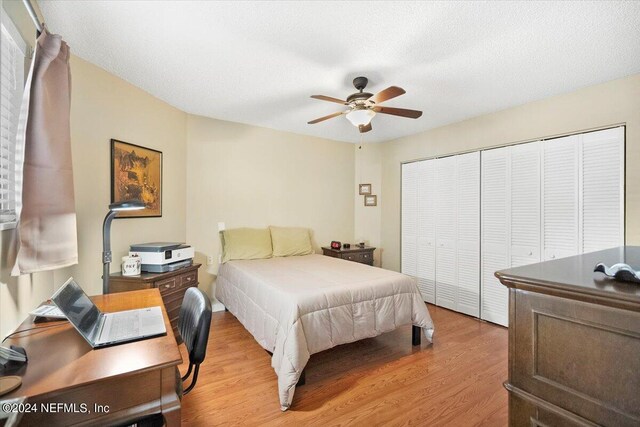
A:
(300, 305)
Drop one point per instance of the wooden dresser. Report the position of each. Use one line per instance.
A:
(574, 342)
(363, 255)
(172, 286)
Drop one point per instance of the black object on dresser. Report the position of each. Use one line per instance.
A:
(172, 286)
(363, 255)
(574, 342)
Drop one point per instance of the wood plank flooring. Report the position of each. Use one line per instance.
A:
(456, 381)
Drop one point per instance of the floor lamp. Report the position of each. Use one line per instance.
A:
(114, 208)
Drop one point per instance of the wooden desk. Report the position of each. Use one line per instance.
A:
(133, 379)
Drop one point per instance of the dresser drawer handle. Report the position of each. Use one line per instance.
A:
(349, 257)
(189, 279)
(366, 255)
(168, 286)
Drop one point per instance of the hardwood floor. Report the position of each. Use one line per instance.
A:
(379, 381)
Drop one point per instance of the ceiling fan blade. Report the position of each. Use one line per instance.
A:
(330, 99)
(365, 128)
(402, 112)
(387, 94)
(322, 119)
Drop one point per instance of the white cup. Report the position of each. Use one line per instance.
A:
(130, 266)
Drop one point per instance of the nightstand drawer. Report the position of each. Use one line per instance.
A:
(363, 255)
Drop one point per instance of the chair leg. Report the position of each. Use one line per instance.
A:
(188, 372)
(193, 381)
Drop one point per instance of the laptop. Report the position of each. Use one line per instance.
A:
(103, 329)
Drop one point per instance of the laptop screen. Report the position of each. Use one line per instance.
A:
(77, 306)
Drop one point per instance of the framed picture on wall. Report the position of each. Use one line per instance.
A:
(364, 189)
(371, 200)
(136, 174)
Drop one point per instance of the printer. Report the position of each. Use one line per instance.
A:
(160, 257)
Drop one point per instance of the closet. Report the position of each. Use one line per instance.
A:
(466, 216)
(441, 230)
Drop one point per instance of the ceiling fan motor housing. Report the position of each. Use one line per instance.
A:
(360, 83)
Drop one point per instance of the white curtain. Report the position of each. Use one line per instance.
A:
(47, 233)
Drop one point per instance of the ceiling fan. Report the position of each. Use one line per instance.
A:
(364, 105)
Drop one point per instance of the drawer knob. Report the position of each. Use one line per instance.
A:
(189, 278)
(530, 253)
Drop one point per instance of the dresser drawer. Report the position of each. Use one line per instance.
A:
(581, 357)
(168, 286)
(189, 278)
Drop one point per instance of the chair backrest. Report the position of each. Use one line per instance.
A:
(194, 323)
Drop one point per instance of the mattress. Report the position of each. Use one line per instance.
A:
(301, 305)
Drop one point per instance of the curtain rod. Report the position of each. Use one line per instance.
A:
(33, 15)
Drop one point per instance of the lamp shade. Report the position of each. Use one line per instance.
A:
(127, 205)
(360, 117)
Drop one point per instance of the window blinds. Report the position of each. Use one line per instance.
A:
(11, 85)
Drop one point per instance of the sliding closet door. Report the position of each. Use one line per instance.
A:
(496, 214)
(409, 219)
(525, 223)
(426, 238)
(602, 189)
(468, 230)
(562, 234)
(446, 233)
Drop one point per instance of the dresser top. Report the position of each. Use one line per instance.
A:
(574, 275)
(152, 277)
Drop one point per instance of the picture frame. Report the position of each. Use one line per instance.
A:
(364, 189)
(136, 174)
(371, 200)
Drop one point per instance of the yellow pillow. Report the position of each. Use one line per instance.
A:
(290, 241)
(246, 243)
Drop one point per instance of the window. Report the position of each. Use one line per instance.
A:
(13, 53)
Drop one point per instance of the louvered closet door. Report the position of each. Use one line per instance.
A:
(602, 189)
(446, 233)
(495, 218)
(409, 219)
(562, 234)
(468, 229)
(426, 254)
(525, 167)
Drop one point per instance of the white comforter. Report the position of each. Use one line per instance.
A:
(298, 306)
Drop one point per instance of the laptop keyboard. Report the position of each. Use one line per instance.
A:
(125, 326)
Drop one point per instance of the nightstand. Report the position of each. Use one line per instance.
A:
(363, 255)
(172, 286)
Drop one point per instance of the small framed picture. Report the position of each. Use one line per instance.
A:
(371, 200)
(365, 189)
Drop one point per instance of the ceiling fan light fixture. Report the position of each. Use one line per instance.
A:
(360, 117)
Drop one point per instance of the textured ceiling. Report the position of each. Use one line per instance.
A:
(257, 62)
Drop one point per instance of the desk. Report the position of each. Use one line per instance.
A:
(133, 379)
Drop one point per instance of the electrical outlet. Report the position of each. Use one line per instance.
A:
(210, 260)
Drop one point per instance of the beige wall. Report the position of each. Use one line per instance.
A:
(611, 103)
(102, 107)
(367, 227)
(247, 176)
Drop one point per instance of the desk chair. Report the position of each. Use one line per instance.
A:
(193, 324)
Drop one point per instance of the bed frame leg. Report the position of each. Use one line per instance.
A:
(303, 378)
(226, 309)
(415, 335)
